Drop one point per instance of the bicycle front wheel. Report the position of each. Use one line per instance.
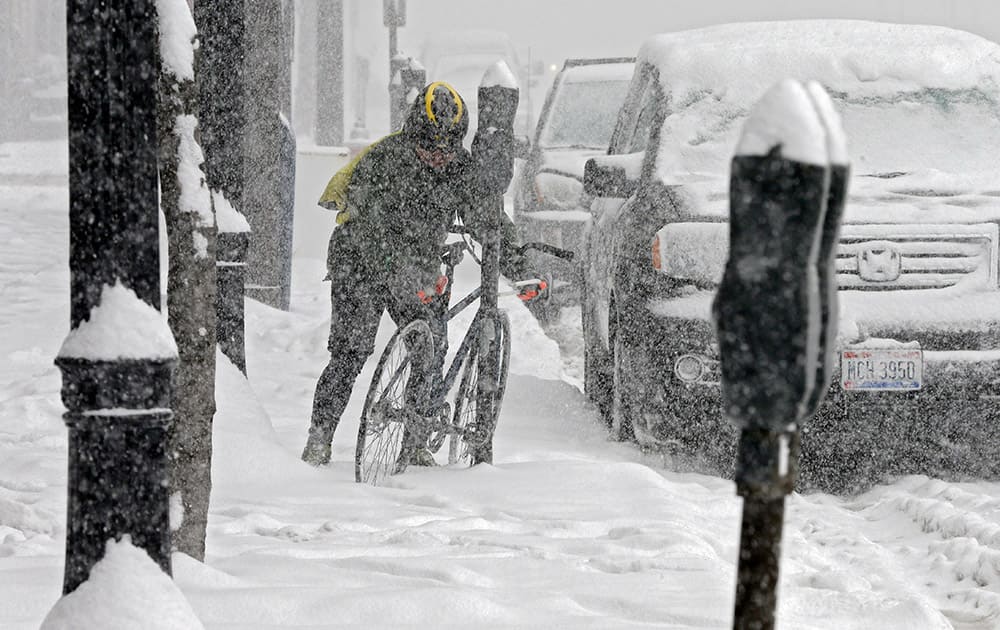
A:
(471, 443)
(388, 406)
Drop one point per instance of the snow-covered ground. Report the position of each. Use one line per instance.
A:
(566, 530)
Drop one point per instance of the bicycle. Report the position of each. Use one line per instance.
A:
(392, 426)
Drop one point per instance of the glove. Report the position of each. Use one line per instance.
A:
(428, 294)
(534, 288)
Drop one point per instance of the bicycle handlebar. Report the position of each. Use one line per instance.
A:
(552, 250)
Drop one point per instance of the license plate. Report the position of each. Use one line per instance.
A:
(881, 369)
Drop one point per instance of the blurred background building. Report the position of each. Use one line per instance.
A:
(32, 69)
(32, 46)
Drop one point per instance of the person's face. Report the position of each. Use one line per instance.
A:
(435, 157)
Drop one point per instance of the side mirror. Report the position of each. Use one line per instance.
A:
(522, 147)
(603, 177)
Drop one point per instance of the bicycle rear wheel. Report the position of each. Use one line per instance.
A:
(382, 432)
(470, 443)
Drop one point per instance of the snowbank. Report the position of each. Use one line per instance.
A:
(126, 590)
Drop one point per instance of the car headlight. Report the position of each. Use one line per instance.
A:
(560, 191)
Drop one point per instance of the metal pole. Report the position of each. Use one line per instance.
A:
(766, 471)
(266, 173)
(397, 90)
(118, 408)
(760, 555)
(330, 74)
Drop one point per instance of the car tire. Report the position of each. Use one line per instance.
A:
(622, 410)
(597, 367)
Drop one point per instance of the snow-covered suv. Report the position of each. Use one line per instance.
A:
(917, 263)
(575, 124)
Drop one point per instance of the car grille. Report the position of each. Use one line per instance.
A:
(898, 257)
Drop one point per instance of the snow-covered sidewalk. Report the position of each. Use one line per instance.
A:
(566, 530)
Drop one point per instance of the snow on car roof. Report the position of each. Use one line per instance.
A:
(599, 72)
(915, 99)
(841, 54)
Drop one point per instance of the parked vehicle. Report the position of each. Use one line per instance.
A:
(575, 124)
(919, 343)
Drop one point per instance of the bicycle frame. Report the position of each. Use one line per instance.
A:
(444, 386)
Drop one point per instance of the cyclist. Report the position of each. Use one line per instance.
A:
(395, 203)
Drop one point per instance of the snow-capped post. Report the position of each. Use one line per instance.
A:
(769, 312)
(408, 77)
(493, 156)
(222, 121)
(232, 242)
(117, 360)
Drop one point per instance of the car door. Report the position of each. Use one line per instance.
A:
(631, 137)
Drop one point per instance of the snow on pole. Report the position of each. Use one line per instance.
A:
(775, 314)
(499, 75)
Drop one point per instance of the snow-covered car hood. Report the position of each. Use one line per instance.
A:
(943, 226)
(918, 197)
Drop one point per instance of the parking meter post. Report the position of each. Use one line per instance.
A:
(493, 157)
(768, 314)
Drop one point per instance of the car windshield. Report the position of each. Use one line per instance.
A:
(583, 114)
(954, 131)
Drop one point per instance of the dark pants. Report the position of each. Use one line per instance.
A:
(357, 304)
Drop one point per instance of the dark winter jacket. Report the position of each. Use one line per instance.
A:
(394, 218)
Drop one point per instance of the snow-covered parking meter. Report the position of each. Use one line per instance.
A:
(776, 313)
(493, 159)
(774, 310)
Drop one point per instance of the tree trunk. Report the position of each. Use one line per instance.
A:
(191, 288)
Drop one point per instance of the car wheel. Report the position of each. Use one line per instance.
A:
(622, 409)
(597, 369)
